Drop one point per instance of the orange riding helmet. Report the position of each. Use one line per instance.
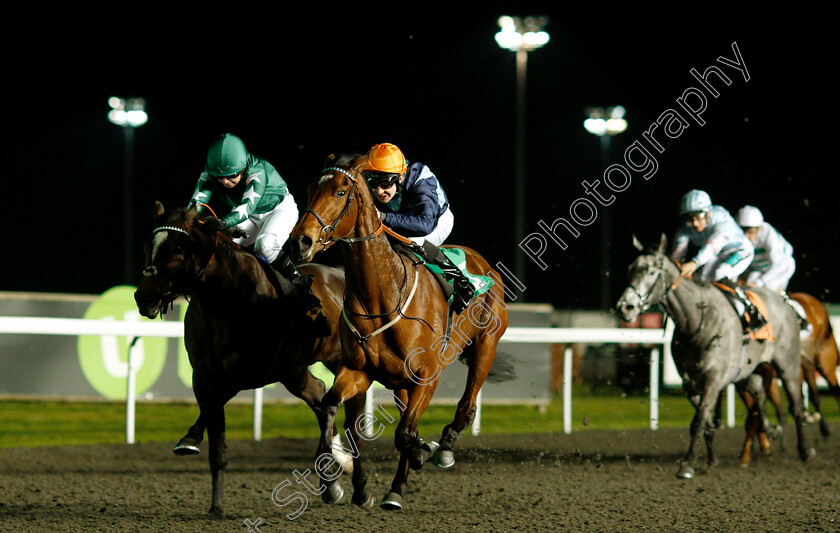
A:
(386, 157)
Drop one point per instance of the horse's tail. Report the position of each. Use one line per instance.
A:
(503, 368)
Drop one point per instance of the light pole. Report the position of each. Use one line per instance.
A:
(128, 114)
(605, 123)
(521, 36)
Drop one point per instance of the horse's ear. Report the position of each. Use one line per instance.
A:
(329, 161)
(663, 243)
(637, 245)
(159, 210)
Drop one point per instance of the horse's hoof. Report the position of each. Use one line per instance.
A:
(364, 501)
(685, 472)
(443, 458)
(775, 432)
(392, 502)
(186, 447)
(333, 494)
(806, 455)
(428, 449)
(216, 511)
(421, 453)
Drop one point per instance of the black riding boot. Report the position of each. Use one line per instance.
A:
(755, 320)
(464, 290)
(302, 287)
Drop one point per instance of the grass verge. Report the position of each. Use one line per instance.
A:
(30, 423)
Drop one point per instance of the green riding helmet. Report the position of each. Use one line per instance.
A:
(226, 156)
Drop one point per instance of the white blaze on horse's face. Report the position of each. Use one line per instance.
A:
(157, 241)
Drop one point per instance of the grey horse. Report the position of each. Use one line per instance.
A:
(709, 347)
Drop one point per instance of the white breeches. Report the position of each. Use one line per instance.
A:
(441, 231)
(269, 231)
(729, 264)
(776, 278)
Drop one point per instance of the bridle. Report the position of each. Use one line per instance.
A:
(172, 291)
(170, 294)
(644, 299)
(327, 233)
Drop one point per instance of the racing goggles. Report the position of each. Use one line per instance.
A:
(690, 218)
(382, 180)
(231, 177)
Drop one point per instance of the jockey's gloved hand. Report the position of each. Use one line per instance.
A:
(213, 224)
(237, 232)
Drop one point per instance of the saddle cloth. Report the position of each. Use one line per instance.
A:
(763, 333)
(480, 283)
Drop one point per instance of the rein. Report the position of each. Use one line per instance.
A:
(327, 235)
(170, 295)
(328, 230)
(643, 298)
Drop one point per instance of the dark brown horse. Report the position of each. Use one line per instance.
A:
(819, 354)
(238, 326)
(394, 329)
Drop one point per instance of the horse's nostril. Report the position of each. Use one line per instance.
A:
(305, 242)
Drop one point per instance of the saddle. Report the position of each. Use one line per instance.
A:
(763, 333)
(425, 254)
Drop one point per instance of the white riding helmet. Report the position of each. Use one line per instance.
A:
(695, 201)
(749, 217)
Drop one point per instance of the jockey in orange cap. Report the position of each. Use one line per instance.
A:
(411, 201)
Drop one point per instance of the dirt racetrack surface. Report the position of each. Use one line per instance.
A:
(586, 481)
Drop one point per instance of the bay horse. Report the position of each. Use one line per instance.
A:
(394, 327)
(239, 328)
(709, 347)
(819, 354)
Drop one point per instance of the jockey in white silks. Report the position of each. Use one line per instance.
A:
(773, 264)
(723, 251)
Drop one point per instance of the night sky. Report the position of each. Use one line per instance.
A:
(298, 87)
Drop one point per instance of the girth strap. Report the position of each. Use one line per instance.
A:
(362, 338)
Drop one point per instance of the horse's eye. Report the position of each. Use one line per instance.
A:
(341, 193)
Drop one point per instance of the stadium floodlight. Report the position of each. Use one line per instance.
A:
(127, 113)
(602, 121)
(521, 35)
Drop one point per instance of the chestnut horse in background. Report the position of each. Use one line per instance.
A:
(819, 354)
(240, 327)
(396, 327)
